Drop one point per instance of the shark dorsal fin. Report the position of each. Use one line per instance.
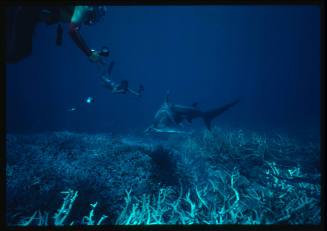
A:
(167, 96)
(195, 104)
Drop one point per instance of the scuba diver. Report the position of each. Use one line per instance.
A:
(120, 87)
(21, 22)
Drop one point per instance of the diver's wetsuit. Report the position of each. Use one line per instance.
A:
(77, 38)
(21, 23)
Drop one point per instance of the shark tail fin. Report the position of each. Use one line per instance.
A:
(208, 116)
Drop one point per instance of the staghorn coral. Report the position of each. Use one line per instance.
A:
(218, 177)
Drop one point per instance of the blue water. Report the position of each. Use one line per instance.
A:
(260, 164)
(268, 56)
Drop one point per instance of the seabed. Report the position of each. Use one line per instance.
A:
(207, 177)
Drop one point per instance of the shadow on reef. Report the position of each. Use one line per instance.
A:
(164, 167)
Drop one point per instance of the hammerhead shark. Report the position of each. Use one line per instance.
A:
(170, 115)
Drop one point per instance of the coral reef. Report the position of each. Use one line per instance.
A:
(209, 177)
